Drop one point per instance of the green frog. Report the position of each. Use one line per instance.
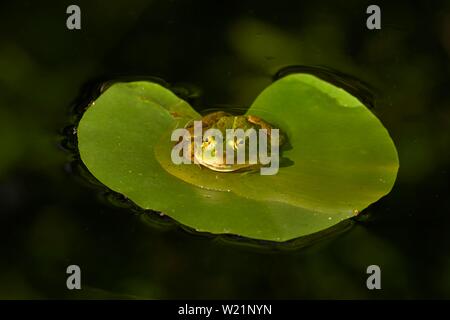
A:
(207, 154)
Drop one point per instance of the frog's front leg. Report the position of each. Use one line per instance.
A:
(264, 125)
(258, 121)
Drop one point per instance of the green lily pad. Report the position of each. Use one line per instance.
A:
(342, 159)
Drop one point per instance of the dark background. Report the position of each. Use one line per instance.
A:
(225, 54)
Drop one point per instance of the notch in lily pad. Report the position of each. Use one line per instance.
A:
(340, 159)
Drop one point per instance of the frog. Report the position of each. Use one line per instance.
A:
(222, 121)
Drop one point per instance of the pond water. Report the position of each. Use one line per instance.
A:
(52, 214)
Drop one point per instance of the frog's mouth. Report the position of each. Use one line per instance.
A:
(227, 167)
(208, 156)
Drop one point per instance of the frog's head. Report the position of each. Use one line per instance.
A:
(208, 156)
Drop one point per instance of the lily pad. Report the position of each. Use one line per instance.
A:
(342, 159)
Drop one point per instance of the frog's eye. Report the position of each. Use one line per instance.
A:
(238, 143)
(209, 140)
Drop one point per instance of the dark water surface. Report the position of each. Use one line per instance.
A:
(219, 56)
